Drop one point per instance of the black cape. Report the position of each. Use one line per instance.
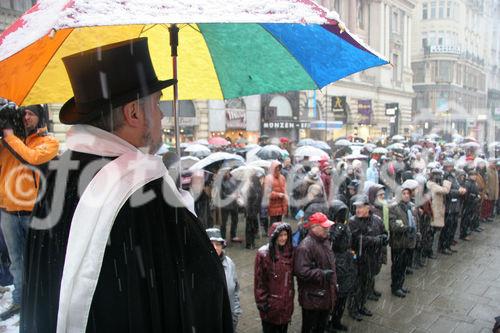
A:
(160, 272)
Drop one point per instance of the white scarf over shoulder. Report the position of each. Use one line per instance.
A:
(95, 213)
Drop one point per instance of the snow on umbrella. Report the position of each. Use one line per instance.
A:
(246, 171)
(270, 152)
(197, 148)
(322, 145)
(342, 143)
(314, 154)
(214, 161)
(218, 141)
(380, 150)
(188, 161)
(306, 142)
(163, 149)
(226, 49)
(369, 147)
(472, 144)
(356, 157)
(398, 138)
(266, 164)
(433, 136)
(184, 145)
(417, 147)
(469, 139)
(396, 146)
(251, 146)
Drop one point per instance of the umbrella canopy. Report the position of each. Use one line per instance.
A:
(266, 164)
(270, 152)
(188, 161)
(417, 147)
(226, 49)
(369, 147)
(469, 139)
(380, 150)
(342, 142)
(322, 145)
(306, 142)
(314, 154)
(396, 146)
(185, 144)
(217, 160)
(246, 171)
(218, 141)
(471, 144)
(356, 157)
(197, 148)
(163, 149)
(202, 142)
(398, 138)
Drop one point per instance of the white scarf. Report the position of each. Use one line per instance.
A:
(95, 213)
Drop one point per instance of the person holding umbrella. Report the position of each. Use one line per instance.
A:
(117, 242)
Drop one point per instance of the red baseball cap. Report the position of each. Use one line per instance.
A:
(319, 219)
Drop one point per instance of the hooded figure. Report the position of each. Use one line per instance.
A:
(273, 279)
(372, 173)
(275, 195)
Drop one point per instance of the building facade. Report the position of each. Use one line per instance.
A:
(450, 65)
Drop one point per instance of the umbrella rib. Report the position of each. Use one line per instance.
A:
(40, 74)
(293, 57)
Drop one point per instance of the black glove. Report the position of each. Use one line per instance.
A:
(328, 273)
(5, 123)
(264, 307)
(384, 239)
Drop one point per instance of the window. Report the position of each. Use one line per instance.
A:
(441, 9)
(395, 64)
(440, 41)
(336, 6)
(433, 9)
(449, 9)
(425, 43)
(186, 109)
(424, 11)
(282, 105)
(395, 22)
(361, 14)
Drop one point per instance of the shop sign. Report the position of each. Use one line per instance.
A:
(365, 111)
(285, 125)
(326, 125)
(391, 109)
(236, 119)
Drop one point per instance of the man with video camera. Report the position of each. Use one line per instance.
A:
(25, 148)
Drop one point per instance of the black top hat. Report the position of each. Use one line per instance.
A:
(107, 77)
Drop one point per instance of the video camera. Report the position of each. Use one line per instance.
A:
(11, 117)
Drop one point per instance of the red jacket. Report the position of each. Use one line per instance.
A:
(273, 279)
(275, 192)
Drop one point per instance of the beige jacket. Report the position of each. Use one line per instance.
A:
(438, 194)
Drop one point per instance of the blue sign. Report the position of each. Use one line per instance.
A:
(328, 125)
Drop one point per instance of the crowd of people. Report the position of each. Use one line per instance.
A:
(332, 222)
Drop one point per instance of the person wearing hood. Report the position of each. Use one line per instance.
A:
(233, 286)
(314, 267)
(352, 190)
(367, 243)
(326, 177)
(471, 207)
(23, 159)
(379, 208)
(273, 279)
(345, 265)
(275, 194)
(403, 230)
(372, 173)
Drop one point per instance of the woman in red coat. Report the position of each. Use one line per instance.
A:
(273, 280)
(275, 193)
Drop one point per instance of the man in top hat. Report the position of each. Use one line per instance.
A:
(403, 230)
(22, 161)
(314, 267)
(112, 247)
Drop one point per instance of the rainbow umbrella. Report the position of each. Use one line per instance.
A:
(225, 48)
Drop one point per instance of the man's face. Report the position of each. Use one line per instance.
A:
(319, 231)
(282, 238)
(352, 191)
(362, 210)
(30, 120)
(473, 177)
(406, 196)
(153, 116)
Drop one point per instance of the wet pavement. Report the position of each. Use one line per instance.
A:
(458, 293)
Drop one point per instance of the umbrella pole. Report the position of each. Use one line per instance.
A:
(174, 43)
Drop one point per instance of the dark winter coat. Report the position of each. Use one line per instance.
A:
(273, 279)
(311, 258)
(453, 197)
(318, 204)
(160, 273)
(229, 187)
(346, 269)
(402, 236)
(254, 197)
(366, 243)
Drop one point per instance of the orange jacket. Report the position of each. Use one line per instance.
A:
(19, 176)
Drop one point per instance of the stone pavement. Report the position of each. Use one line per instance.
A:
(458, 293)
